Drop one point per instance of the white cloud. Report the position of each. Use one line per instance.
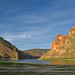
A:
(13, 37)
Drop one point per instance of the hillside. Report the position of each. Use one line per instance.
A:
(9, 51)
(63, 46)
(35, 53)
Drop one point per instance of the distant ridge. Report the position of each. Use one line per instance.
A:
(63, 46)
(10, 52)
(35, 53)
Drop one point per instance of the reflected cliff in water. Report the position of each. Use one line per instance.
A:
(62, 62)
(50, 62)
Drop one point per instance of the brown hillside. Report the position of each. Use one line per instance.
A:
(9, 51)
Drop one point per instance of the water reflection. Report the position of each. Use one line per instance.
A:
(62, 62)
(50, 62)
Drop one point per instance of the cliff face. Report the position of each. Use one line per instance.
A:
(59, 41)
(9, 51)
(63, 46)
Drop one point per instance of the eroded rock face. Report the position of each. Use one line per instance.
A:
(60, 36)
(63, 46)
(60, 40)
(72, 31)
(52, 45)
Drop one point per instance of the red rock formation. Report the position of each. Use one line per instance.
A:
(60, 36)
(65, 37)
(73, 27)
(72, 31)
(63, 47)
(52, 45)
(58, 42)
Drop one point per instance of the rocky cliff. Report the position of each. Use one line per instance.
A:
(9, 51)
(63, 46)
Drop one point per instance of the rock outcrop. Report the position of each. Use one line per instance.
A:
(72, 31)
(59, 41)
(63, 46)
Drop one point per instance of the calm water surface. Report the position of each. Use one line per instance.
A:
(51, 62)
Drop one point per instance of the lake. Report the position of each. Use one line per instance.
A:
(50, 62)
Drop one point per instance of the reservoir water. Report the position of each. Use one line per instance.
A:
(50, 62)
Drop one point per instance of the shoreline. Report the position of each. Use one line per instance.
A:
(9, 68)
(56, 59)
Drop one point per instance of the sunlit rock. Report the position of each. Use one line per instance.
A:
(63, 46)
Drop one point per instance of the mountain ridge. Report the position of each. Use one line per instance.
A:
(10, 52)
(35, 53)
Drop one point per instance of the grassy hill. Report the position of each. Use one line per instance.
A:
(35, 53)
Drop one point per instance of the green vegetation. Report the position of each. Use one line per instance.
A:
(35, 69)
(56, 59)
(16, 64)
(35, 73)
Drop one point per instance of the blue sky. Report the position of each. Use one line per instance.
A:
(30, 24)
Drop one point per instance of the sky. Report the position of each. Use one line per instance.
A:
(32, 24)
